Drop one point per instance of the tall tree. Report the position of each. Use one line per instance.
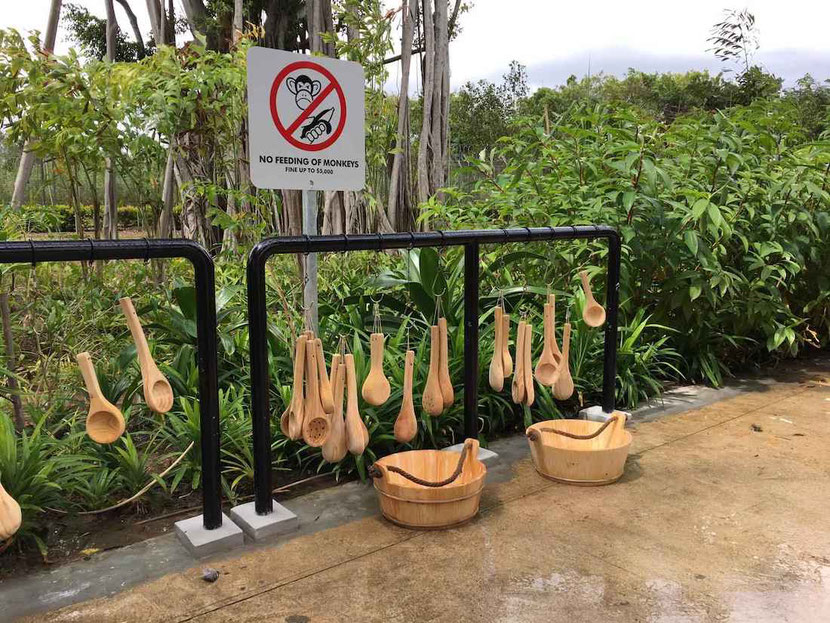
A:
(110, 204)
(399, 195)
(27, 158)
(139, 40)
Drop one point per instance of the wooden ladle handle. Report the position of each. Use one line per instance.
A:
(88, 372)
(141, 346)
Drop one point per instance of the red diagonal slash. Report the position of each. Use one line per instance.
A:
(311, 107)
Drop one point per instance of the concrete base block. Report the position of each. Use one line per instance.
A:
(488, 457)
(201, 542)
(279, 521)
(596, 414)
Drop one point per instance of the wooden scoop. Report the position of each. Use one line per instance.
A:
(527, 366)
(104, 424)
(496, 374)
(326, 398)
(557, 354)
(433, 399)
(444, 366)
(157, 391)
(517, 389)
(564, 387)
(316, 426)
(296, 408)
(507, 360)
(406, 426)
(546, 369)
(335, 447)
(356, 434)
(593, 313)
(376, 388)
(10, 515)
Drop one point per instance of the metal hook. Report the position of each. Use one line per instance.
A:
(32, 247)
(380, 243)
(443, 239)
(345, 242)
(506, 235)
(307, 244)
(411, 240)
(91, 251)
(529, 234)
(146, 250)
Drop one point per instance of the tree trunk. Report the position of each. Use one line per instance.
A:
(424, 185)
(165, 228)
(238, 21)
(440, 94)
(8, 337)
(27, 158)
(142, 52)
(156, 13)
(398, 181)
(110, 206)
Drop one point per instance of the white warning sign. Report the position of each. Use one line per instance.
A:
(306, 117)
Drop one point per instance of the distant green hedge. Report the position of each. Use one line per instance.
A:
(61, 217)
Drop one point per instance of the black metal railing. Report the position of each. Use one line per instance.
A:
(470, 240)
(90, 250)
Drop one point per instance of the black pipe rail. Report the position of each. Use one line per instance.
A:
(91, 250)
(470, 240)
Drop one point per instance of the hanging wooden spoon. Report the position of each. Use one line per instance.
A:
(527, 366)
(296, 408)
(496, 374)
(326, 398)
(547, 367)
(507, 360)
(554, 346)
(335, 447)
(433, 399)
(10, 515)
(564, 387)
(593, 313)
(157, 391)
(406, 426)
(356, 433)
(444, 366)
(517, 388)
(104, 423)
(376, 388)
(316, 426)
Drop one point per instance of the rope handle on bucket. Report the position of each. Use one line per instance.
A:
(377, 472)
(533, 433)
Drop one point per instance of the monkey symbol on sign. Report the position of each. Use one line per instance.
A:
(308, 106)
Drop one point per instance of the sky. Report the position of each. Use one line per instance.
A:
(555, 39)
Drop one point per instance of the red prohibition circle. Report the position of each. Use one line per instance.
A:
(275, 116)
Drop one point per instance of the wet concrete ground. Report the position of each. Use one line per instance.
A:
(713, 521)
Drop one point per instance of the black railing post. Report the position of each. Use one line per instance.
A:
(471, 339)
(612, 300)
(260, 404)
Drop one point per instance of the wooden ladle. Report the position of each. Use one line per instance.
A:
(447, 391)
(357, 436)
(557, 354)
(564, 387)
(527, 367)
(376, 387)
(316, 426)
(517, 388)
(507, 360)
(10, 515)
(433, 399)
(104, 423)
(546, 369)
(335, 447)
(157, 391)
(296, 408)
(593, 313)
(406, 426)
(496, 372)
(326, 398)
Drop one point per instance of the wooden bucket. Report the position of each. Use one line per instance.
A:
(595, 457)
(426, 506)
